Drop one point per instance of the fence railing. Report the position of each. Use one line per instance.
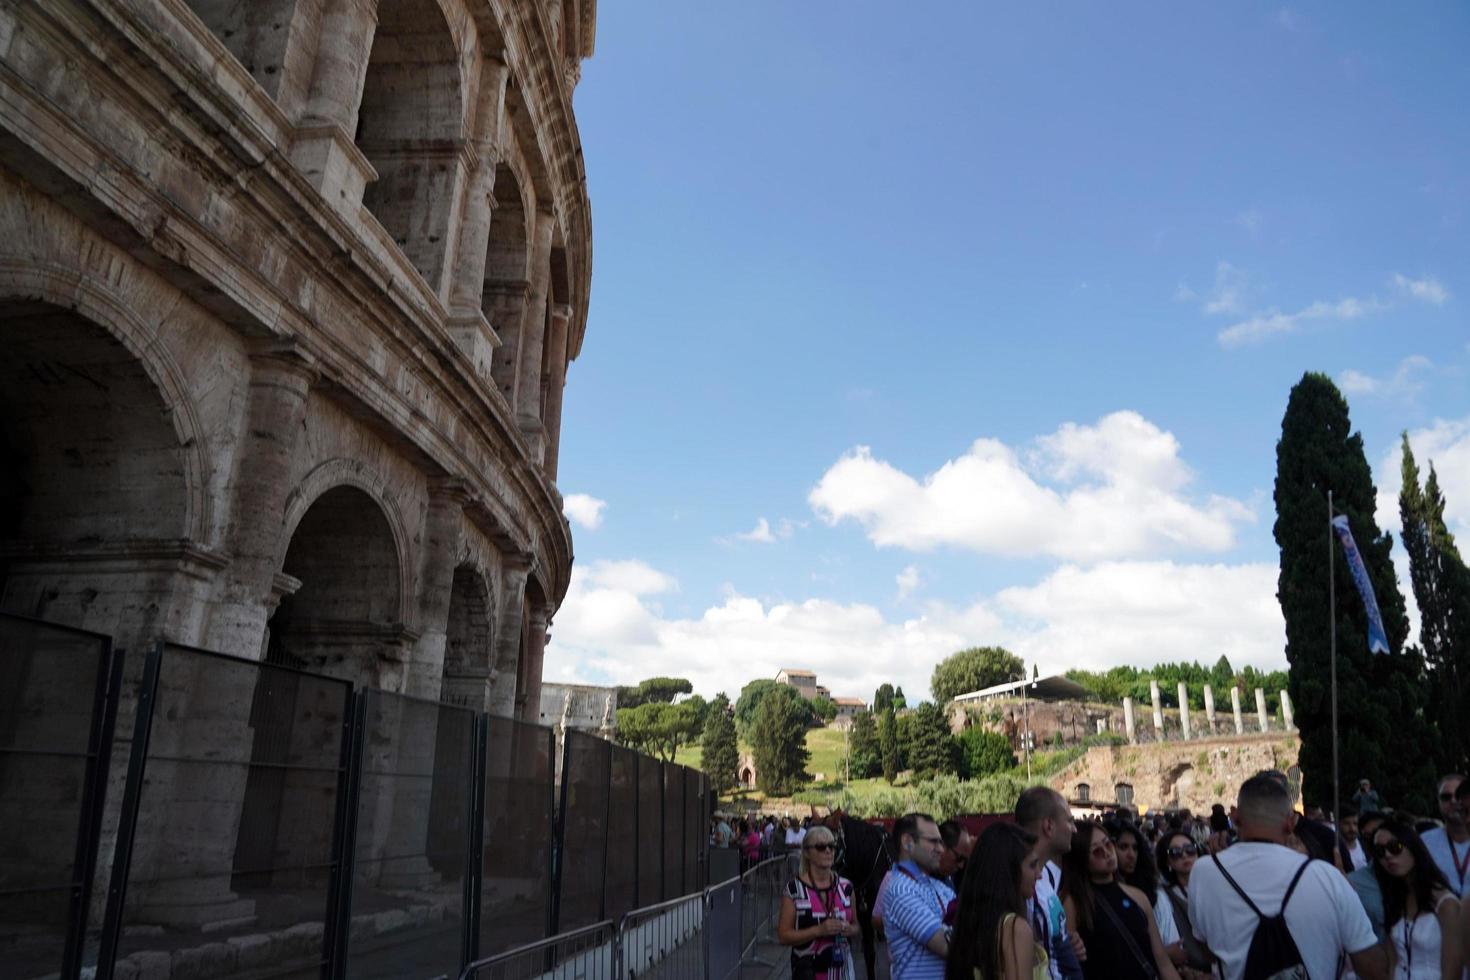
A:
(708, 934)
(253, 818)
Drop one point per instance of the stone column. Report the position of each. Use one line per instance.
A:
(1235, 706)
(280, 378)
(443, 534)
(533, 337)
(1261, 709)
(322, 147)
(1210, 709)
(536, 638)
(1128, 719)
(555, 382)
(1286, 713)
(1153, 690)
(510, 603)
(1184, 710)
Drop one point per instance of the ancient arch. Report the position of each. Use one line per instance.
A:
(507, 285)
(468, 643)
(411, 128)
(345, 617)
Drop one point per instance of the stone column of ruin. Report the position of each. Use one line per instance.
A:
(1210, 709)
(509, 609)
(533, 338)
(1184, 710)
(1261, 709)
(1128, 719)
(443, 533)
(1286, 713)
(1153, 690)
(247, 592)
(322, 147)
(1235, 706)
(535, 659)
(556, 382)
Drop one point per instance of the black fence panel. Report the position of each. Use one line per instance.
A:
(696, 831)
(229, 837)
(650, 831)
(621, 887)
(515, 886)
(584, 813)
(412, 839)
(673, 831)
(56, 704)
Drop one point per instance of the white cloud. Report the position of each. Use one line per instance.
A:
(1405, 382)
(1138, 613)
(1115, 491)
(583, 509)
(1228, 293)
(763, 533)
(907, 581)
(1271, 323)
(1251, 220)
(1428, 290)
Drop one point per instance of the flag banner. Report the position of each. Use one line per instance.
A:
(1377, 638)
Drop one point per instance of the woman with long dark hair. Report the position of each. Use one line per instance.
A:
(1419, 910)
(1136, 867)
(1176, 855)
(993, 939)
(1115, 921)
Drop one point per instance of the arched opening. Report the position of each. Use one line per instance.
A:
(410, 127)
(1181, 781)
(467, 641)
(747, 778)
(533, 648)
(257, 33)
(344, 620)
(1084, 793)
(507, 277)
(1123, 793)
(90, 463)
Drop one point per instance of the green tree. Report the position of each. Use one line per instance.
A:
(659, 689)
(984, 753)
(899, 701)
(754, 694)
(903, 728)
(778, 742)
(888, 745)
(720, 756)
(655, 727)
(931, 747)
(822, 708)
(1442, 590)
(883, 698)
(865, 756)
(973, 670)
(1382, 728)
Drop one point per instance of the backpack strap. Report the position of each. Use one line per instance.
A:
(1292, 887)
(1241, 891)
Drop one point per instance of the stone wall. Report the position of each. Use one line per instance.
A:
(584, 707)
(1193, 774)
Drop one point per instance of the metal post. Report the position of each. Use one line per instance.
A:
(474, 860)
(89, 820)
(637, 829)
(1026, 716)
(127, 826)
(349, 793)
(606, 842)
(557, 861)
(1332, 613)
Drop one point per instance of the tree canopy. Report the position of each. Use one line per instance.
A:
(660, 689)
(972, 670)
(720, 755)
(778, 742)
(888, 746)
(865, 757)
(655, 727)
(752, 695)
(931, 750)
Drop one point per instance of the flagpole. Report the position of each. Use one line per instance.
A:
(1332, 617)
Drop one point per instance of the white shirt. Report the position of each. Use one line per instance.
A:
(1447, 854)
(1164, 917)
(795, 836)
(1324, 916)
(1050, 905)
(1357, 856)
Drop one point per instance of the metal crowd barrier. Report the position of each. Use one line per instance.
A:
(589, 953)
(663, 940)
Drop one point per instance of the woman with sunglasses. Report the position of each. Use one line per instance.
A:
(1177, 853)
(1136, 867)
(1115, 921)
(1419, 910)
(993, 939)
(818, 915)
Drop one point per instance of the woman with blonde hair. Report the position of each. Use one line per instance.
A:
(818, 914)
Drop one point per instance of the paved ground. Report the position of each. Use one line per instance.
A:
(777, 964)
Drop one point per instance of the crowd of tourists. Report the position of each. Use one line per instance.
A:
(1259, 892)
(758, 837)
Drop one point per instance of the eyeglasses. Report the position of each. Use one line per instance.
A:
(820, 847)
(1446, 797)
(931, 840)
(1179, 852)
(1391, 848)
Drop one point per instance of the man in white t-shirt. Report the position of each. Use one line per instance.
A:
(1324, 915)
(1450, 845)
(1045, 813)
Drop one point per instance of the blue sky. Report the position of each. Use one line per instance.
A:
(990, 313)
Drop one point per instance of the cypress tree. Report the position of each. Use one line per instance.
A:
(932, 751)
(888, 744)
(1442, 590)
(1382, 729)
(865, 758)
(779, 744)
(720, 756)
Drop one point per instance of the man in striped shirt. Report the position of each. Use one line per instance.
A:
(917, 901)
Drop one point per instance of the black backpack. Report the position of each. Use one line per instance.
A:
(1273, 954)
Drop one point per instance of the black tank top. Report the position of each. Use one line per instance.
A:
(1108, 956)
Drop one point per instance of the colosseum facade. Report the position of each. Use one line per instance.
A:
(290, 289)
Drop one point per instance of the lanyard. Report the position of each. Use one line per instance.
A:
(1460, 866)
(1409, 944)
(933, 892)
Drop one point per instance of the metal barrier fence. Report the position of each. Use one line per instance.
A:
(266, 821)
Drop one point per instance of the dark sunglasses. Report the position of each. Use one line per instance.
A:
(1392, 848)
(1446, 797)
(1179, 852)
(819, 847)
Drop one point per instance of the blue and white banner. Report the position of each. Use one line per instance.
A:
(1377, 638)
